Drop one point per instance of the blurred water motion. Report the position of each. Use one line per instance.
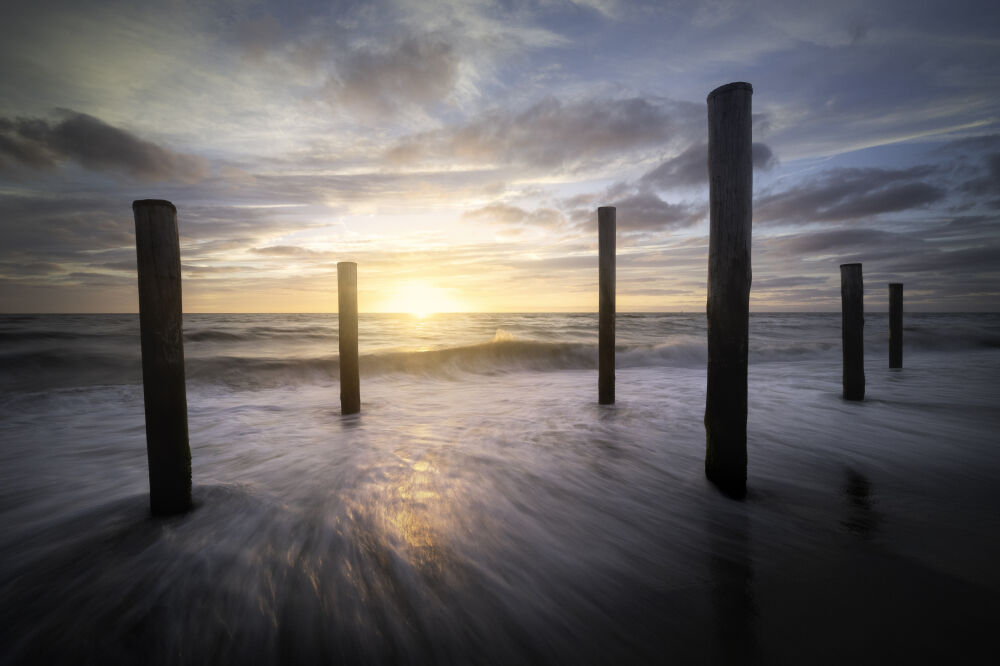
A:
(483, 508)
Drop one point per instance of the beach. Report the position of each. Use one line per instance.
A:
(483, 508)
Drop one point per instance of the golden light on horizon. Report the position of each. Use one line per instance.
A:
(421, 299)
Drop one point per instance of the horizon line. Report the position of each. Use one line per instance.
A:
(513, 312)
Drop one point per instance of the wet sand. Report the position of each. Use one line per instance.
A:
(164, 591)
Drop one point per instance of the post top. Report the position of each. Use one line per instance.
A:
(895, 284)
(153, 202)
(850, 265)
(606, 208)
(347, 264)
(735, 85)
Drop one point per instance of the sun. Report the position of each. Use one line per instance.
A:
(420, 299)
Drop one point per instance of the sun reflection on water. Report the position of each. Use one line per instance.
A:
(417, 514)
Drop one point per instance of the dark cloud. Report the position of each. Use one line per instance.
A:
(691, 166)
(850, 194)
(379, 81)
(20, 150)
(987, 183)
(550, 134)
(956, 265)
(763, 157)
(644, 211)
(92, 143)
(837, 241)
(950, 270)
(53, 229)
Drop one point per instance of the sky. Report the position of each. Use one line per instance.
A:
(458, 150)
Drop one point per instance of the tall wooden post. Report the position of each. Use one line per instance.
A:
(852, 330)
(895, 325)
(347, 316)
(158, 260)
(606, 304)
(730, 179)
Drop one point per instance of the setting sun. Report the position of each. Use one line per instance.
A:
(421, 300)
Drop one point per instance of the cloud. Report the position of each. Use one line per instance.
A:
(379, 81)
(691, 166)
(284, 251)
(550, 134)
(93, 144)
(987, 183)
(57, 229)
(644, 211)
(257, 37)
(505, 214)
(849, 194)
(22, 150)
(787, 282)
(837, 240)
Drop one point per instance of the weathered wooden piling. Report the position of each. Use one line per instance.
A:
(730, 178)
(895, 325)
(606, 305)
(852, 330)
(158, 260)
(347, 316)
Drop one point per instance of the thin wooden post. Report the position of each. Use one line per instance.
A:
(730, 178)
(852, 330)
(895, 324)
(606, 304)
(347, 317)
(158, 260)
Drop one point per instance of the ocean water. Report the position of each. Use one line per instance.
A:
(484, 509)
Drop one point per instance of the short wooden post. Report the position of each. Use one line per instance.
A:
(347, 316)
(606, 305)
(162, 337)
(730, 178)
(852, 330)
(895, 324)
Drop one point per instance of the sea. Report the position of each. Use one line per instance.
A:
(483, 508)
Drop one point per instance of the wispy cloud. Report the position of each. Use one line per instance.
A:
(551, 134)
(849, 194)
(378, 81)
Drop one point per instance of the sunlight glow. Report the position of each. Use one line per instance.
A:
(421, 299)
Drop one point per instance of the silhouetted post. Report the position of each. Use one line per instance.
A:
(347, 316)
(161, 329)
(730, 180)
(895, 325)
(852, 330)
(606, 304)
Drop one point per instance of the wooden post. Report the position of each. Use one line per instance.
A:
(895, 325)
(347, 316)
(730, 179)
(606, 304)
(852, 330)
(162, 335)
